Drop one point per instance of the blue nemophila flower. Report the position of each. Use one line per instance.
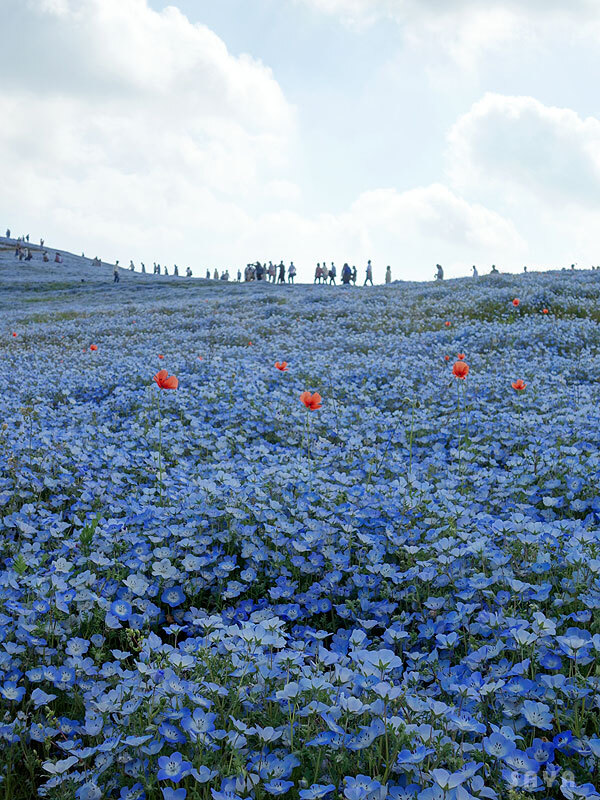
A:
(406, 757)
(277, 787)
(40, 698)
(540, 751)
(173, 768)
(135, 792)
(537, 714)
(121, 609)
(317, 791)
(10, 691)
(498, 746)
(174, 794)
(174, 596)
(171, 733)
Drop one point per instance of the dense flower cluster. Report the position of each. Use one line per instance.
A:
(409, 609)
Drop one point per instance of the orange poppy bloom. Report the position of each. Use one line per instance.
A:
(161, 356)
(164, 381)
(544, 311)
(519, 385)
(446, 358)
(447, 324)
(311, 401)
(281, 366)
(200, 358)
(460, 356)
(516, 302)
(460, 370)
(93, 347)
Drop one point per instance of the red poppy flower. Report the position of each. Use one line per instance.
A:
(516, 302)
(460, 370)
(519, 385)
(200, 358)
(14, 334)
(93, 347)
(460, 356)
(311, 401)
(446, 358)
(281, 366)
(161, 356)
(249, 343)
(164, 381)
(447, 324)
(544, 311)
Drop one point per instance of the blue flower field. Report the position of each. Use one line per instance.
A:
(216, 592)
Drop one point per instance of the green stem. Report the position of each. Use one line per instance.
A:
(159, 447)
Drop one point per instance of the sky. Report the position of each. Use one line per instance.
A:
(214, 133)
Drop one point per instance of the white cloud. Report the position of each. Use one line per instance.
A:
(519, 146)
(468, 29)
(137, 127)
(410, 230)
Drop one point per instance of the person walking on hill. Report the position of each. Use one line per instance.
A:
(369, 274)
(131, 265)
(281, 278)
(346, 274)
(116, 277)
(45, 256)
(354, 274)
(332, 274)
(291, 272)
(317, 274)
(143, 267)
(439, 276)
(58, 259)
(8, 233)
(388, 274)
(475, 272)
(216, 275)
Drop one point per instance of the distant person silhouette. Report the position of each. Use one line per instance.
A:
(332, 274)
(281, 278)
(8, 233)
(475, 273)
(369, 274)
(388, 274)
(439, 276)
(291, 272)
(116, 277)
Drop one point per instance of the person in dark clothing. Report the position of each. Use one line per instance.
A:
(116, 277)
(281, 278)
(369, 275)
(439, 276)
(8, 233)
(332, 274)
(354, 274)
(259, 271)
(346, 274)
